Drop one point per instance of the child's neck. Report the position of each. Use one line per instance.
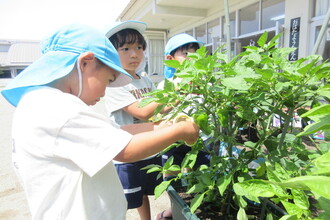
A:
(133, 74)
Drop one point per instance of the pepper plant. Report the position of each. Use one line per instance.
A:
(225, 97)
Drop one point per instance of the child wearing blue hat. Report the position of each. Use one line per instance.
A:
(122, 105)
(177, 48)
(62, 149)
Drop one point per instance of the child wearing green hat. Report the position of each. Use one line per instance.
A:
(62, 149)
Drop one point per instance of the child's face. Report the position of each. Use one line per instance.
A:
(131, 55)
(99, 77)
(181, 55)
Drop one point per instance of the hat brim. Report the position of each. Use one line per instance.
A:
(187, 42)
(49, 67)
(136, 25)
(123, 79)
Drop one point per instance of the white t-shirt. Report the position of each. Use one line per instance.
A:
(63, 152)
(117, 98)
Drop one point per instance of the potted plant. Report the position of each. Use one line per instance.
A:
(247, 92)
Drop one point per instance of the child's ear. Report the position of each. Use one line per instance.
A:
(88, 56)
(169, 57)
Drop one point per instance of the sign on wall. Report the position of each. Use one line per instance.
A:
(294, 38)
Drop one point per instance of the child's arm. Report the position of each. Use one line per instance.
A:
(151, 142)
(143, 127)
(146, 112)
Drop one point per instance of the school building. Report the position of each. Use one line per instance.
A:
(299, 20)
(15, 56)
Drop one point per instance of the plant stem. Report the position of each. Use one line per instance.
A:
(286, 126)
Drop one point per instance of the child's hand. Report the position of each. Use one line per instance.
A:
(162, 124)
(190, 132)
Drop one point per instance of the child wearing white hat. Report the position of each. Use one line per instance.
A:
(122, 105)
(62, 148)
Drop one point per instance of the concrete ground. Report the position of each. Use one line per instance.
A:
(13, 204)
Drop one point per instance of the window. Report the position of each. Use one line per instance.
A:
(4, 48)
(232, 24)
(324, 47)
(213, 30)
(5, 74)
(201, 33)
(190, 32)
(155, 56)
(272, 11)
(249, 19)
(321, 7)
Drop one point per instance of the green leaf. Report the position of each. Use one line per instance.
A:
(241, 215)
(324, 93)
(316, 184)
(323, 124)
(324, 204)
(169, 86)
(190, 159)
(261, 169)
(317, 111)
(289, 217)
(146, 101)
(174, 168)
(238, 83)
(161, 188)
(253, 189)
(153, 169)
(300, 199)
(262, 40)
(172, 63)
(168, 163)
(273, 42)
(199, 187)
(280, 173)
(196, 202)
(223, 182)
(267, 74)
(322, 164)
(292, 209)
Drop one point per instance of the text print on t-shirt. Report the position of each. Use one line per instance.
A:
(138, 93)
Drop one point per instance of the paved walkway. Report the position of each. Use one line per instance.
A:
(13, 204)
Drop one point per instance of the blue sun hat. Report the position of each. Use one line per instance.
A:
(130, 24)
(174, 43)
(60, 52)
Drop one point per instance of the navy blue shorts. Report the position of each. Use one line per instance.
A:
(180, 152)
(137, 182)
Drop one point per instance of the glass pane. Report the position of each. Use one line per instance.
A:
(5, 74)
(155, 56)
(190, 32)
(213, 30)
(201, 33)
(232, 24)
(324, 47)
(272, 11)
(249, 19)
(321, 7)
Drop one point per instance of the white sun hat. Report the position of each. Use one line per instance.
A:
(130, 24)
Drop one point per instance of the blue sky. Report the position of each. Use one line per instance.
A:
(33, 19)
